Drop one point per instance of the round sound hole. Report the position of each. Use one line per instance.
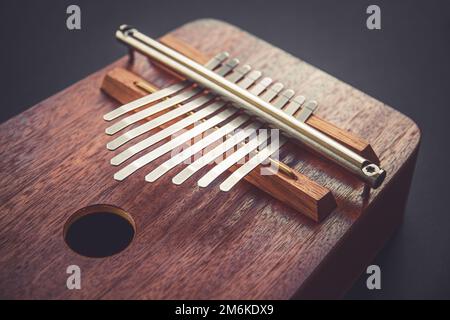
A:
(99, 231)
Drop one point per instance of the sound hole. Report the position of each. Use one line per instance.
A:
(99, 231)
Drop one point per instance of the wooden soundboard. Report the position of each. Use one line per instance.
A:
(193, 243)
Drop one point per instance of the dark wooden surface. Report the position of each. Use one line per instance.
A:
(191, 242)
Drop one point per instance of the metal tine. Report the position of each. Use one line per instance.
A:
(246, 149)
(171, 130)
(294, 105)
(307, 110)
(283, 98)
(239, 73)
(261, 86)
(250, 79)
(185, 108)
(163, 93)
(272, 92)
(166, 104)
(260, 157)
(208, 140)
(231, 141)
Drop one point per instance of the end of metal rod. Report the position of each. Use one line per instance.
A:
(375, 175)
(122, 33)
(125, 28)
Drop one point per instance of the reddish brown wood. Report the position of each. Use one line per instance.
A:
(299, 192)
(190, 242)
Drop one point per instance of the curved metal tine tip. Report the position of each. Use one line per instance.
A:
(163, 93)
(246, 168)
(228, 66)
(259, 87)
(307, 110)
(294, 105)
(272, 91)
(153, 97)
(156, 122)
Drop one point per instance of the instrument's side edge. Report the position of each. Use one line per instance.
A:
(363, 241)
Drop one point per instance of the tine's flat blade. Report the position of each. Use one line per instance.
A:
(261, 86)
(166, 104)
(294, 105)
(250, 79)
(239, 73)
(272, 91)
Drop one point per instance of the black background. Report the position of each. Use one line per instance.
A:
(406, 65)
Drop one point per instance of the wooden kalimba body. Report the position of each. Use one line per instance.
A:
(305, 231)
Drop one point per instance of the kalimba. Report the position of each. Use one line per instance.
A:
(214, 178)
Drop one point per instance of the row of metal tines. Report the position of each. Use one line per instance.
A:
(236, 134)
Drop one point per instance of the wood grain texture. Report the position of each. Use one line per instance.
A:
(191, 242)
(297, 191)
